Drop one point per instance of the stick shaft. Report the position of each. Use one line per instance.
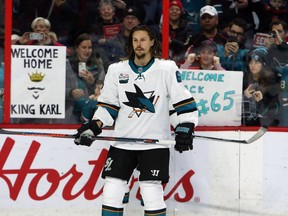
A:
(255, 137)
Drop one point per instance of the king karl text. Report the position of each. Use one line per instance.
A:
(32, 109)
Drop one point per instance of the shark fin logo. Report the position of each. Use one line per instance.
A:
(140, 103)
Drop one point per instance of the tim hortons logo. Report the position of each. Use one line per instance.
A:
(15, 178)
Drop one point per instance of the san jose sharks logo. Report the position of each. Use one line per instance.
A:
(139, 102)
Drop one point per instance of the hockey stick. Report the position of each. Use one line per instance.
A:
(255, 137)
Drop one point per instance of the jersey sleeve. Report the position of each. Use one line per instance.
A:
(181, 100)
(108, 101)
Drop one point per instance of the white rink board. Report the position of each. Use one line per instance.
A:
(59, 178)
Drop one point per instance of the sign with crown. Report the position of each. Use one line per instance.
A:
(38, 76)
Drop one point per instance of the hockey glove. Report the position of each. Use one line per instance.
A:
(184, 137)
(86, 133)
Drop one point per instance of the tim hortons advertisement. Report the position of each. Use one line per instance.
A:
(53, 176)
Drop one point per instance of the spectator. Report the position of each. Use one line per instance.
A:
(179, 31)
(276, 9)
(191, 13)
(278, 62)
(40, 35)
(278, 32)
(115, 47)
(233, 53)
(81, 83)
(208, 22)
(107, 18)
(204, 59)
(261, 87)
(153, 11)
(62, 14)
(251, 11)
(89, 107)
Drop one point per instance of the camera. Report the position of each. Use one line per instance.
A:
(273, 34)
(36, 36)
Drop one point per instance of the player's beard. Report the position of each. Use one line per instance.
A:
(141, 56)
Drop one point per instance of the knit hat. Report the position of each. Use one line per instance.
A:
(177, 3)
(208, 10)
(134, 11)
(208, 44)
(259, 54)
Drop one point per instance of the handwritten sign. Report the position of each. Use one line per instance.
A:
(38, 81)
(218, 95)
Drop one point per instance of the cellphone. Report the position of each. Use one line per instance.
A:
(232, 38)
(81, 68)
(36, 36)
(254, 86)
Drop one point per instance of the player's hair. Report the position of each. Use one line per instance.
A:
(155, 50)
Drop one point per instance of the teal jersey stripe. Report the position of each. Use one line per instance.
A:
(112, 110)
(185, 106)
(110, 211)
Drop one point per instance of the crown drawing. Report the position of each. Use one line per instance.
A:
(36, 77)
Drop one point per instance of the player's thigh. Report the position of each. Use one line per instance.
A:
(120, 163)
(154, 165)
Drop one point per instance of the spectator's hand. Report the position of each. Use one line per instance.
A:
(278, 38)
(24, 38)
(216, 60)
(269, 41)
(258, 96)
(87, 76)
(249, 91)
(119, 4)
(273, 40)
(46, 40)
(231, 47)
(77, 93)
(191, 58)
(59, 2)
(184, 137)
(102, 41)
(86, 132)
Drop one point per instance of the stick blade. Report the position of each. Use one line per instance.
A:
(258, 135)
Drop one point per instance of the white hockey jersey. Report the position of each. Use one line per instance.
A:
(138, 99)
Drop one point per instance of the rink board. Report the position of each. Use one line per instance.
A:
(52, 176)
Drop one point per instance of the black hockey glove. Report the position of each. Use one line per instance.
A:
(86, 132)
(184, 137)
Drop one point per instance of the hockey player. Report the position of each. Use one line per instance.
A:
(136, 96)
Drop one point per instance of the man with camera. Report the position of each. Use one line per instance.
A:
(233, 52)
(278, 62)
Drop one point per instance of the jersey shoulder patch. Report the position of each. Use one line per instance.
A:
(178, 76)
